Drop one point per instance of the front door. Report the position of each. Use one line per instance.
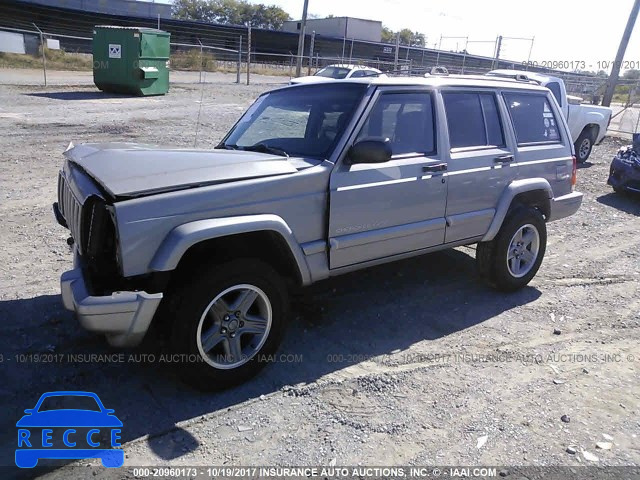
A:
(380, 210)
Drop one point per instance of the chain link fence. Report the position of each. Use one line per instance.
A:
(227, 51)
(74, 53)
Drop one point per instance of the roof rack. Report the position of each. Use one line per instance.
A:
(497, 78)
(518, 77)
(521, 77)
(439, 70)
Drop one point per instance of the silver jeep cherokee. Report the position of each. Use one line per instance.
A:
(313, 181)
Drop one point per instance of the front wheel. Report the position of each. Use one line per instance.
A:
(229, 320)
(583, 146)
(513, 258)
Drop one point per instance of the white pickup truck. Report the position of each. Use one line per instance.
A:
(587, 123)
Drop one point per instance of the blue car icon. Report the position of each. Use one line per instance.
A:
(69, 425)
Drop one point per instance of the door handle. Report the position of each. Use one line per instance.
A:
(503, 159)
(438, 167)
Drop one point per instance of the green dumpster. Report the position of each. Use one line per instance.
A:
(131, 60)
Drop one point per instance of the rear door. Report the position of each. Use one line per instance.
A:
(543, 143)
(380, 210)
(481, 160)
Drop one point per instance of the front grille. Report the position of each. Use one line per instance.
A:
(71, 210)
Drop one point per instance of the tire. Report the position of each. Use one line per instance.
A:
(583, 146)
(207, 312)
(495, 260)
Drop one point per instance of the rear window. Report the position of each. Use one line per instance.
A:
(473, 120)
(364, 73)
(333, 72)
(532, 117)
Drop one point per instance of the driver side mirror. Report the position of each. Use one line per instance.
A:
(369, 151)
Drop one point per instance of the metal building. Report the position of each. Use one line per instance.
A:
(341, 27)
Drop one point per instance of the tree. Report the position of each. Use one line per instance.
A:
(418, 39)
(388, 36)
(631, 74)
(407, 37)
(232, 12)
(192, 10)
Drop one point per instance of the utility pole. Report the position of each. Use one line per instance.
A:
(464, 57)
(239, 66)
(303, 24)
(395, 60)
(248, 53)
(498, 47)
(311, 47)
(530, 50)
(615, 71)
(43, 46)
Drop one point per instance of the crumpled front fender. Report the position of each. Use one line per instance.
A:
(183, 237)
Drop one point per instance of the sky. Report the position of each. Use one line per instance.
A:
(564, 30)
(582, 34)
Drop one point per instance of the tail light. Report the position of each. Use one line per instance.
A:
(574, 173)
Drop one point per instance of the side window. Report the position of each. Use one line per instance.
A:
(358, 74)
(532, 117)
(403, 119)
(555, 89)
(473, 120)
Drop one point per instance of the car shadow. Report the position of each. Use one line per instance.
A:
(80, 95)
(335, 324)
(585, 164)
(627, 202)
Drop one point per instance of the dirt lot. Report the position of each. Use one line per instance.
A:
(409, 363)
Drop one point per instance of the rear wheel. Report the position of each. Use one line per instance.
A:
(512, 259)
(229, 320)
(583, 146)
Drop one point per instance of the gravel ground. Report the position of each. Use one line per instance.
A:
(409, 363)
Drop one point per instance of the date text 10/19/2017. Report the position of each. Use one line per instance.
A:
(582, 64)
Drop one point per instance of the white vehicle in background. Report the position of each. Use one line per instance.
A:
(587, 123)
(339, 72)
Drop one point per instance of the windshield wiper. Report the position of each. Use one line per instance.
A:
(264, 148)
(228, 147)
(258, 147)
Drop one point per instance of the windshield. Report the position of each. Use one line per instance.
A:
(303, 121)
(334, 72)
(69, 402)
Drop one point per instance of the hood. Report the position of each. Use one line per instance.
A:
(129, 170)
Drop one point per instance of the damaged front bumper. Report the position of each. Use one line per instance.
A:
(624, 175)
(124, 317)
